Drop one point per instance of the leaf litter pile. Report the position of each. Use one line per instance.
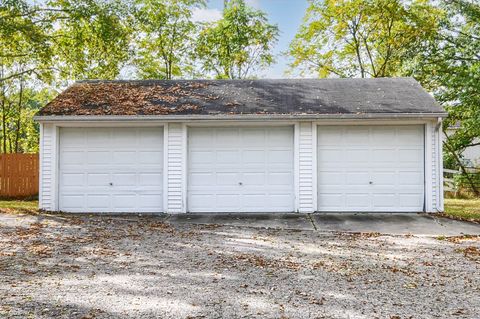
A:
(58, 266)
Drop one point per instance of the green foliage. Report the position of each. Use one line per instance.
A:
(449, 66)
(43, 43)
(238, 44)
(24, 41)
(165, 37)
(91, 38)
(366, 38)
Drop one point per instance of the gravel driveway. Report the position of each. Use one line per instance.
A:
(134, 267)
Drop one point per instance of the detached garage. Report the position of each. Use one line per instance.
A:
(333, 145)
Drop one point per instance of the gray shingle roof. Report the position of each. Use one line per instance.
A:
(212, 97)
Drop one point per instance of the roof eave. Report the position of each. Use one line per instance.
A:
(234, 117)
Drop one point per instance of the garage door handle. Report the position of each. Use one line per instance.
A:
(370, 183)
(240, 183)
(111, 184)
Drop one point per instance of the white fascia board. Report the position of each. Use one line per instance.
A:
(229, 117)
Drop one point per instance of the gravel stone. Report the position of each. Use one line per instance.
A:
(56, 266)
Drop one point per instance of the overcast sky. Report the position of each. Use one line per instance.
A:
(287, 14)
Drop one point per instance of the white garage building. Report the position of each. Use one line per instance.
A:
(333, 145)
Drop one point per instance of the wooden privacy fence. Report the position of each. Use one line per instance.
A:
(18, 175)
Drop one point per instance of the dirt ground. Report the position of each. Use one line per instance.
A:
(54, 266)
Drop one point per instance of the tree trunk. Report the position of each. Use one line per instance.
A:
(19, 115)
(4, 126)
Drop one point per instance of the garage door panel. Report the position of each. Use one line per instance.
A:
(280, 200)
(251, 166)
(371, 168)
(72, 201)
(226, 201)
(361, 200)
(280, 179)
(226, 179)
(98, 202)
(98, 158)
(224, 137)
(331, 201)
(73, 179)
(150, 179)
(254, 179)
(113, 170)
(200, 138)
(227, 156)
(98, 179)
(72, 158)
(411, 200)
(383, 178)
(201, 202)
(253, 138)
(410, 155)
(254, 201)
(407, 178)
(202, 157)
(201, 179)
(150, 202)
(284, 157)
(358, 178)
(279, 137)
(382, 135)
(124, 137)
(124, 201)
(382, 155)
(253, 156)
(151, 157)
(331, 178)
(124, 157)
(389, 200)
(99, 138)
(124, 179)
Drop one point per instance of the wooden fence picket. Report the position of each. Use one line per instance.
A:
(18, 175)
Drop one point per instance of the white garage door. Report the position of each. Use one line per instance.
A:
(111, 170)
(371, 168)
(240, 169)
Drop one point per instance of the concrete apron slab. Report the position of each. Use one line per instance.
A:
(383, 223)
(394, 224)
(270, 220)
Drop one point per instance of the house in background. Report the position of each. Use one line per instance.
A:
(471, 155)
(332, 145)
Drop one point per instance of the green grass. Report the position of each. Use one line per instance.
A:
(18, 206)
(465, 209)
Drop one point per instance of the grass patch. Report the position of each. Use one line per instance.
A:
(19, 206)
(464, 209)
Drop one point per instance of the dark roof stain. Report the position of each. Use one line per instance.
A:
(210, 97)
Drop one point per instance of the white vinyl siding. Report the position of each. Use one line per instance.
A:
(240, 169)
(175, 167)
(435, 177)
(47, 167)
(306, 167)
(371, 168)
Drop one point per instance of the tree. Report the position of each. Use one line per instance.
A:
(239, 44)
(165, 37)
(449, 66)
(361, 38)
(45, 42)
(23, 40)
(91, 38)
